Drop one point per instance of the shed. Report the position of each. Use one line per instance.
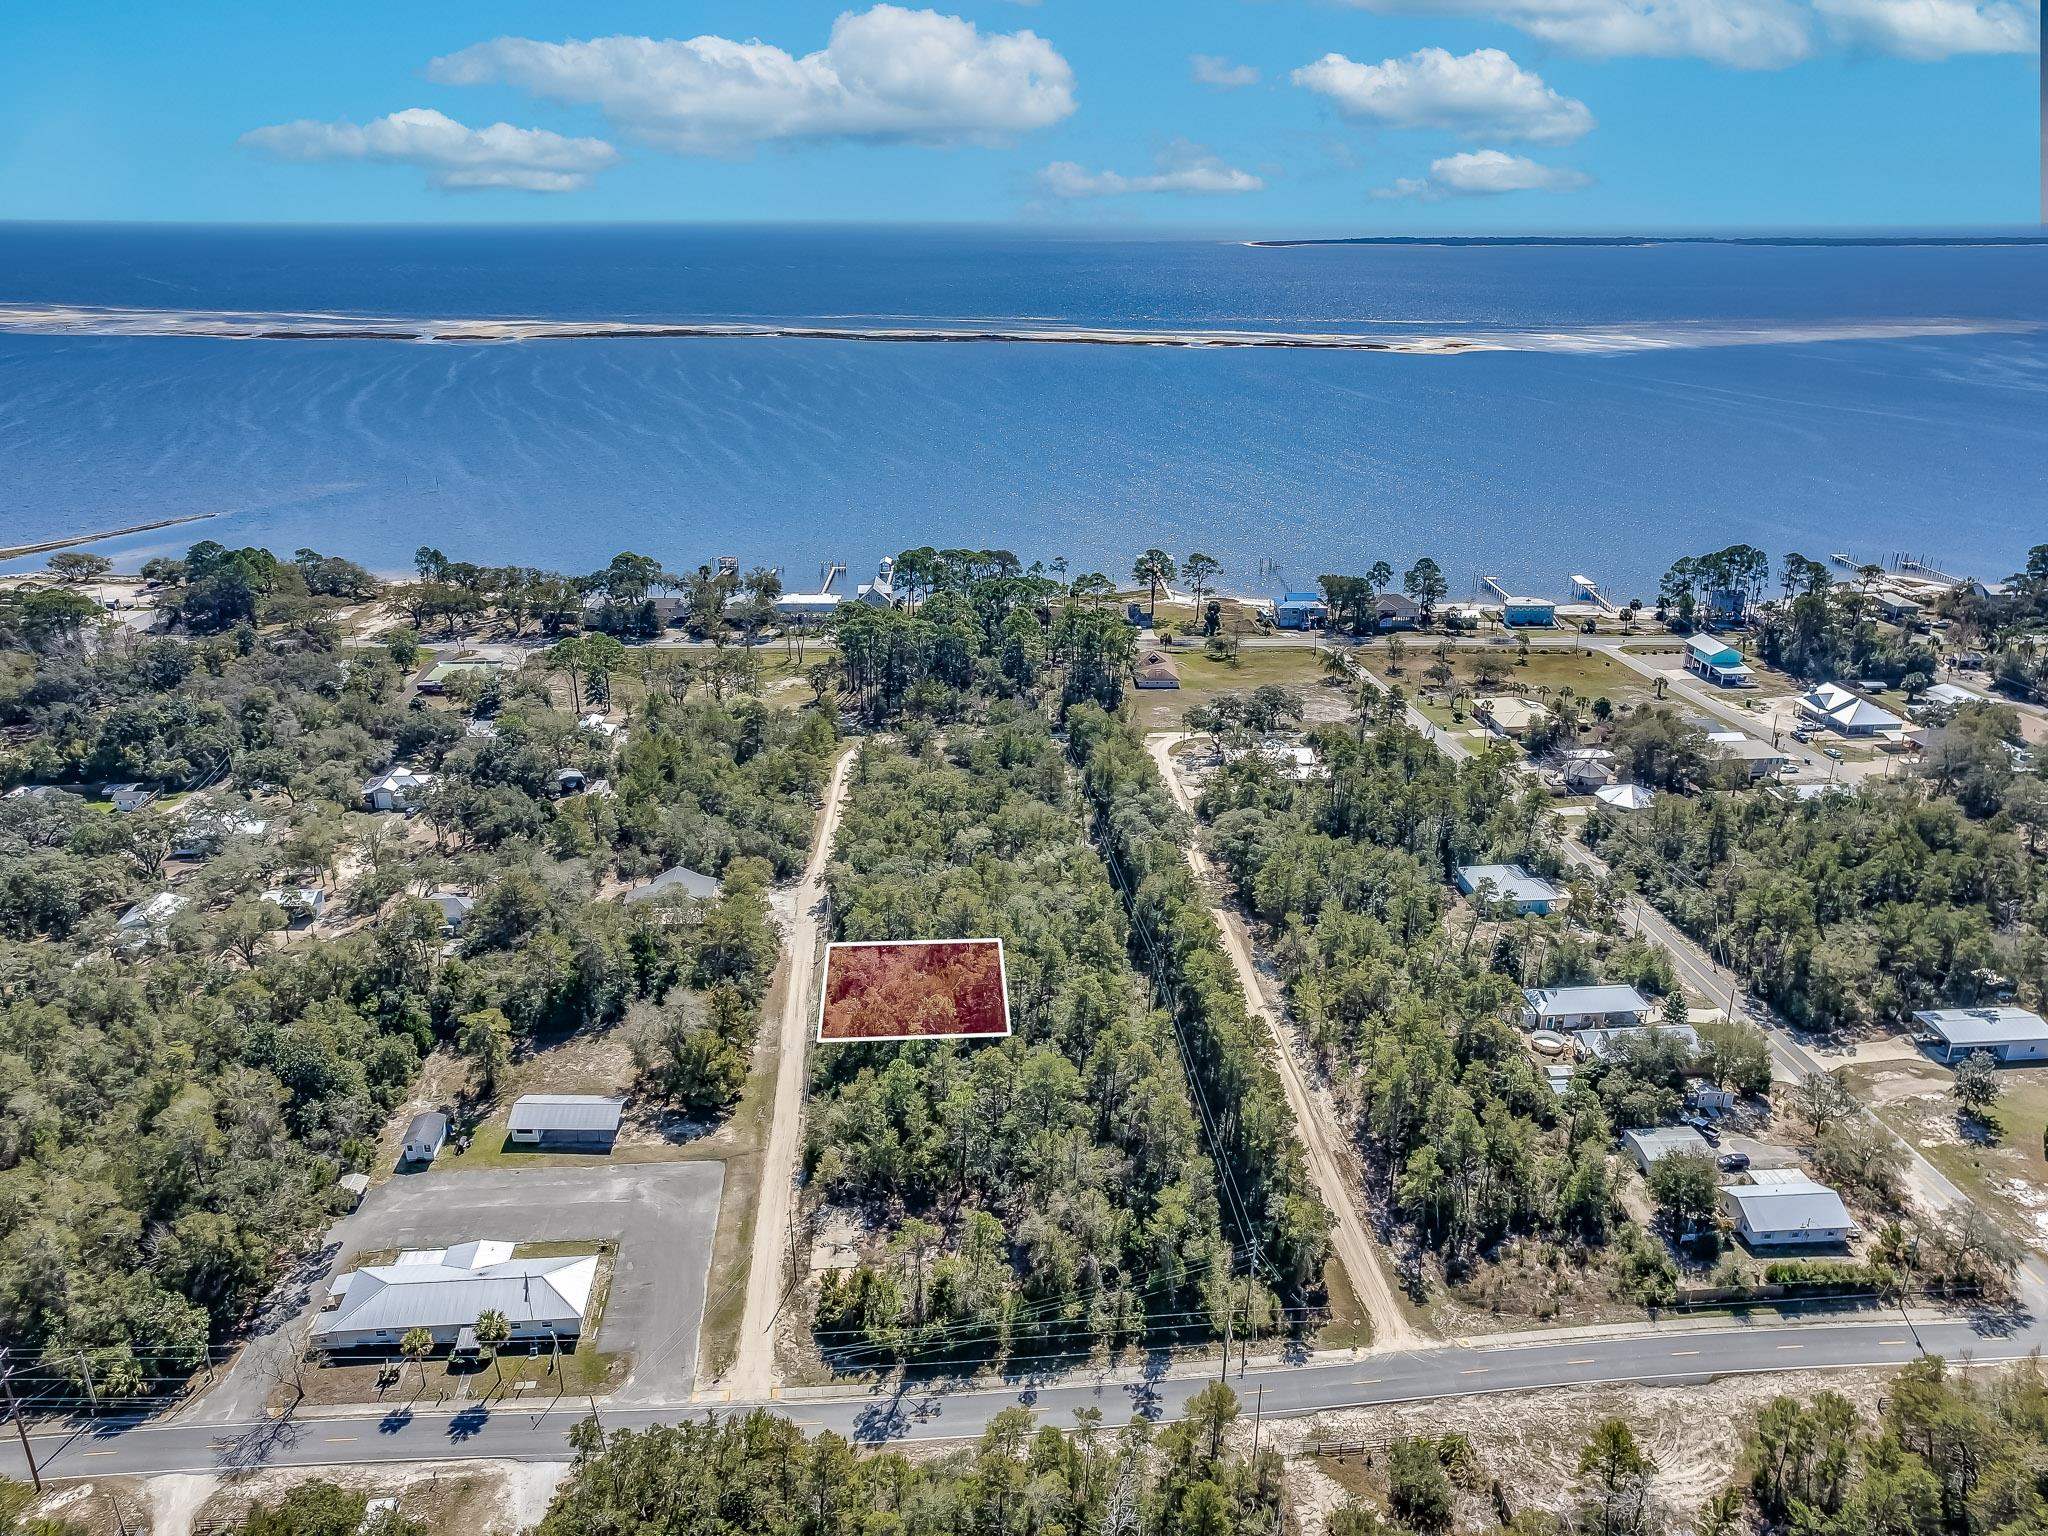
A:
(1511, 883)
(1570, 1008)
(1650, 1146)
(2005, 1033)
(425, 1137)
(565, 1120)
(353, 1187)
(1786, 1212)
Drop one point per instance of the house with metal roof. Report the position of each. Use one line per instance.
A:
(455, 909)
(397, 788)
(1950, 696)
(1301, 610)
(1599, 1044)
(1662, 1141)
(1832, 705)
(1786, 1211)
(573, 1120)
(128, 798)
(679, 881)
(1718, 662)
(1570, 1008)
(1625, 797)
(1509, 715)
(445, 1291)
(2003, 1033)
(1511, 883)
(148, 917)
(1743, 756)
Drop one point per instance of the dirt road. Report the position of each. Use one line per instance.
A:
(753, 1370)
(1323, 1141)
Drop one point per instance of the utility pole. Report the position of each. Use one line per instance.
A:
(85, 1369)
(14, 1412)
(1221, 1376)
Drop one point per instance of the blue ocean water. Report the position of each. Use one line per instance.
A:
(1619, 429)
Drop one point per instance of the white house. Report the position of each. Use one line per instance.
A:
(1832, 705)
(1788, 1208)
(1602, 1043)
(301, 903)
(1509, 715)
(1662, 1141)
(679, 881)
(1951, 696)
(445, 1291)
(1587, 768)
(1625, 797)
(398, 788)
(1570, 1008)
(881, 592)
(455, 909)
(2006, 1034)
(1718, 662)
(1745, 756)
(1512, 883)
(147, 918)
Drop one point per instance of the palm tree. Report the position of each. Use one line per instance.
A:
(492, 1330)
(416, 1346)
(1153, 569)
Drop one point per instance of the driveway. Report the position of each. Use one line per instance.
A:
(661, 1216)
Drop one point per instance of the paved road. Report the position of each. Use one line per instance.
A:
(754, 1364)
(538, 1432)
(1322, 1141)
(661, 1215)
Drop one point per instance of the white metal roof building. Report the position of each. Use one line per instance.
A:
(1511, 882)
(1602, 1043)
(1788, 1210)
(1568, 1008)
(1849, 713)
(679, 881)
(1662, 1141)
(565, 1119)
(445, 1290)
(2004, 1033)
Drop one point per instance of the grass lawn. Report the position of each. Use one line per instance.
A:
(1203, 680)
(2003, 1168)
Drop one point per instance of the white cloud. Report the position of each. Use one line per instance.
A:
(1485, 172)
(456, 158)
(1208, 69)
(1748, 34)
(1183, 167)
(1479, 93)
(1929, 30)
(885, 74)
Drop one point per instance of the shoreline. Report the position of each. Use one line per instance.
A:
(1409, 340)
(22, 551)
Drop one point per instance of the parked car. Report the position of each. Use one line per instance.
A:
(1709, 1133)
(1834, 752)
(1732, 1162)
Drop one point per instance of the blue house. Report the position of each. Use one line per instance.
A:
(1718, 662)
(1528, 613)
(1301, 610)
(1512, 883)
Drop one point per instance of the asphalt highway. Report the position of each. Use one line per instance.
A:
(539, 1431)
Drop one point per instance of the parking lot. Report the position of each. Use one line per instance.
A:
(661, 1215)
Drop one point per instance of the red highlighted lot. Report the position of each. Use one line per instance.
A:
(918, 989)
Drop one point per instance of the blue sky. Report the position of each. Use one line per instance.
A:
(1269, 116)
